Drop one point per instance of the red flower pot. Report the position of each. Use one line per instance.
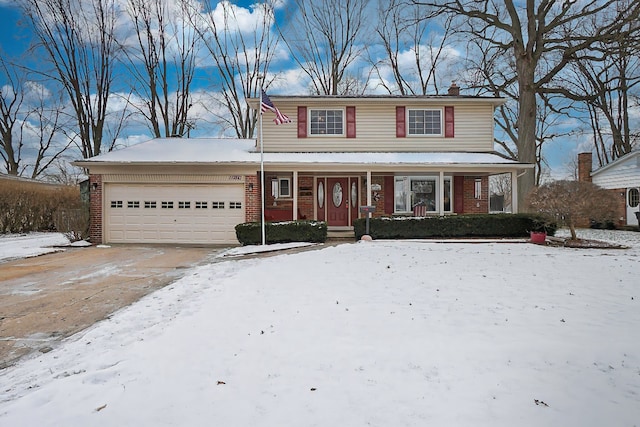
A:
(538, 237)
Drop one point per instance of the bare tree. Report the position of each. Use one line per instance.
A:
(325, 39)
(11, 98)
(538, 39)
(401, 30)
(569, 202)
(242, 57)
(78, 39)
(605, 85)
(43, 126)
(163, 62)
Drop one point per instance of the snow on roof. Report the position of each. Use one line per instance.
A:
(230, 151)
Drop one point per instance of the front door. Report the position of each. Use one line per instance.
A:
(338, 202)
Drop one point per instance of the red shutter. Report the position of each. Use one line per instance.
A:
(448, 122)
(401, 125)
(458, 194)
(302, 122)
(351, 122)
(388, 194)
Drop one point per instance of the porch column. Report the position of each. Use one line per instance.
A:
(514, 192)
(295, 195)
(368, 188)
(441, 194)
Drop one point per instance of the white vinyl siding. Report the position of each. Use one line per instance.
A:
(376, 124)
(624, 174)
(172, 213)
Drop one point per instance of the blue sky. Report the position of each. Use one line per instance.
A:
(14, 39)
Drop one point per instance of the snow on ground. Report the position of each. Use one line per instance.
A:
(385, 333)
(14, 246)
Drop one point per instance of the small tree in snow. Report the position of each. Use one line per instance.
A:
(569, 202)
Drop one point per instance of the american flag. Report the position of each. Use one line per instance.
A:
(266, 104)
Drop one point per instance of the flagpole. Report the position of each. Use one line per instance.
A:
(262, 183)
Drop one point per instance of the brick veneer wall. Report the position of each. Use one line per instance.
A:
(305, 196)
(585, 164)
(95, 209)
(471, 204)
(253, 209)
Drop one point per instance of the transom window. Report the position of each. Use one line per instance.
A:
(425, 122)
(327, 122)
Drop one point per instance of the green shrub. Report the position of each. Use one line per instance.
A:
(250, 233)
(489, 225)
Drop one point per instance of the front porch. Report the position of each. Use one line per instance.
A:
(335, 197)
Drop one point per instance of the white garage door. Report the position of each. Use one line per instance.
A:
(195, 213)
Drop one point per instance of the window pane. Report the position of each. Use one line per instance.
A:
(284, 188)
(423, 194)
(425, 122)
(634, 197)
(401, 195)
(326, 122)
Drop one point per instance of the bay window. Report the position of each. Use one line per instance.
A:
(421, 194)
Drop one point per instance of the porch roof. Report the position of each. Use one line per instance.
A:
(221, 151)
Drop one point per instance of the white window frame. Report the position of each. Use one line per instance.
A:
(439, 110)
(324, 135)
(402, 188)
(276, 188)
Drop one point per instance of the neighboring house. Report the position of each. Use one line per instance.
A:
(7, 179)
(622, 177)
(405, 155)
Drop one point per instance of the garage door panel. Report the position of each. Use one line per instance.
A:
(137, 213)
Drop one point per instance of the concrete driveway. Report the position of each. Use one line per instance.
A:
(50, 297)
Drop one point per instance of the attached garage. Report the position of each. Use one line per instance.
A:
(170, 213)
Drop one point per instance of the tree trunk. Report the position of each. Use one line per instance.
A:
(526, 126)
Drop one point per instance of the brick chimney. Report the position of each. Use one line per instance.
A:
(454, 89)
(585, 162)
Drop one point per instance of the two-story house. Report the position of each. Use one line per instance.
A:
(405, 155)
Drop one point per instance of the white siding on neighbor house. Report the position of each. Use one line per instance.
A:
(376, 128)
(624, 174)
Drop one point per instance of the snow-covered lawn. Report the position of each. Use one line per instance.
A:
(14, 246)
(385, 333)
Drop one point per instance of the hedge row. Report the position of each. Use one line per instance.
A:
(250, 233)
(26, 207)
(489, 225)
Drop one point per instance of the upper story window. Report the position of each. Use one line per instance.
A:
(425, 122)
(327, 122)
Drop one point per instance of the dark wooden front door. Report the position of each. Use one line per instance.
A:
(338, 196)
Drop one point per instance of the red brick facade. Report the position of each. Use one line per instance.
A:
(95, 202)
(383, 199)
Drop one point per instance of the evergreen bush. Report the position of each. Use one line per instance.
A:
(250, 233)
